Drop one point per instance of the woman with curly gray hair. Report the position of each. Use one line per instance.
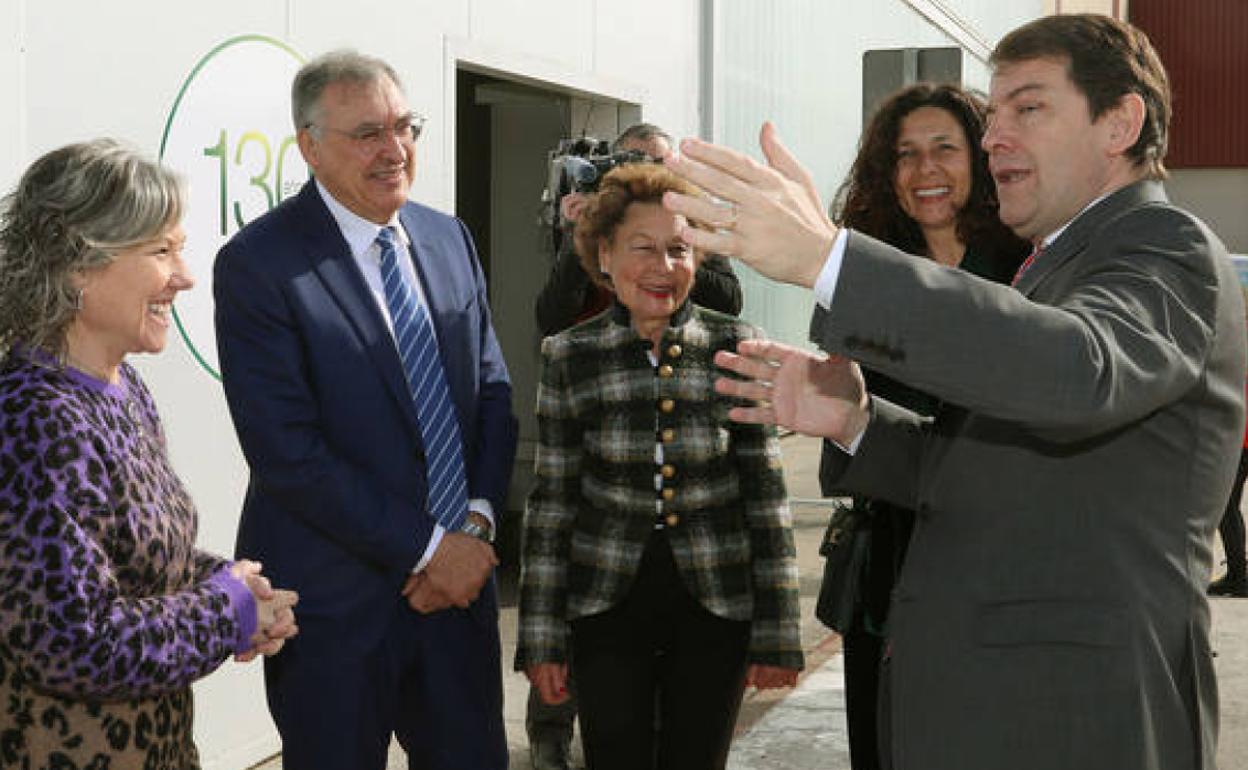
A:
(109, 611)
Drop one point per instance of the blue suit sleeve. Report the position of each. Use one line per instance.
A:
(262, 346)
(494, 446)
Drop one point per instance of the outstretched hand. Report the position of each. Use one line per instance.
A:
(811, 393)
(770, 216)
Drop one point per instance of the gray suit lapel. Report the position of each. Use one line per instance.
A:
(1079, 234)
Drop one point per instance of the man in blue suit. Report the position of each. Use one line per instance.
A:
(383, 527)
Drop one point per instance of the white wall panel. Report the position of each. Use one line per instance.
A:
(557, 30)
(114, 68)
(13, 85)
(655, 44)
(987, 19)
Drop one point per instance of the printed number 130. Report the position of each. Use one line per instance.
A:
(273, 192)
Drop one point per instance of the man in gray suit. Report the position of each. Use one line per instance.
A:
(1051, 611)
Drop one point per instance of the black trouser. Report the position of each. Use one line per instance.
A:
(863, 651)
(1231, 528)
(659, 648)
(866, 696)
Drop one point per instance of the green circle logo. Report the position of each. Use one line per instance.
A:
(230, 135)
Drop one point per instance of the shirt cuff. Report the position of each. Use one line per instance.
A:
(852, 449)
(825, 284)
(435, 539)
(481, 506)
(242, 605)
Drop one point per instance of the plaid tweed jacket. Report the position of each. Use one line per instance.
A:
(601, 407)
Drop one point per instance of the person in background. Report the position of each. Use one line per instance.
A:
(109, 611)
(658, 550)
(372, 403)
(1231, 529)
(920, 182)
(1051, 611)
(568, 297)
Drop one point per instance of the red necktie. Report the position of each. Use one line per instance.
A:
(1023, 268)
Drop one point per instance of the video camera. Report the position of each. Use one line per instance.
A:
(578, 165)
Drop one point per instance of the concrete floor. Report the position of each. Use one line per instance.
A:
(804, 729)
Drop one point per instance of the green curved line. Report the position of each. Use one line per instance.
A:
(177, 319)
(164, 139)
(177, 102)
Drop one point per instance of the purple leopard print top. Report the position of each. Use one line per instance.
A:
(107, 610)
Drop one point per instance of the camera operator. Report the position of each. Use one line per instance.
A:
(570, 297)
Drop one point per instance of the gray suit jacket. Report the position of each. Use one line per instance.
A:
(1051, 611)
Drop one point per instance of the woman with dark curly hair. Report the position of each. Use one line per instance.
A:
(108, 610)
(921, 183)
(658, 551)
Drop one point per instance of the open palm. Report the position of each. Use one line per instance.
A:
(811, 393)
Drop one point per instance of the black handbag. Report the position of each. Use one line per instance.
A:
(845, 547)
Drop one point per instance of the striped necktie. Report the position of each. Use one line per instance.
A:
(1036, 251)
(426, 381)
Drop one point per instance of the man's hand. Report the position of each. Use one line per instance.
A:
(421, 597)
(551, 681)
(810, 393)
(454, 576)
(770, 217)
(571, 205)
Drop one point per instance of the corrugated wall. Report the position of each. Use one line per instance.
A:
(1204, 44)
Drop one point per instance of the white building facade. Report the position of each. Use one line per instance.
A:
(205, 86)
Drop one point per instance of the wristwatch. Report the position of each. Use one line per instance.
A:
(475, 529)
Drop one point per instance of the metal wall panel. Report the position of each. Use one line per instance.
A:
(1204, 45)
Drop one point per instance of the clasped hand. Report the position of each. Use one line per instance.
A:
(275, 613)
(454, 575)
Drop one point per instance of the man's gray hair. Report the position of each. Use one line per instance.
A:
(340, 66)
(72, 211)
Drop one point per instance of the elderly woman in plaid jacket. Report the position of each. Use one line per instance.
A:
(658, 551)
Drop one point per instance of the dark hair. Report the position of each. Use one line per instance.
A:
(867, 200)
(1105, 59)
(640, 132)
(604, 211)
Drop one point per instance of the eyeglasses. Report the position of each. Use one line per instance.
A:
(406, 129)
